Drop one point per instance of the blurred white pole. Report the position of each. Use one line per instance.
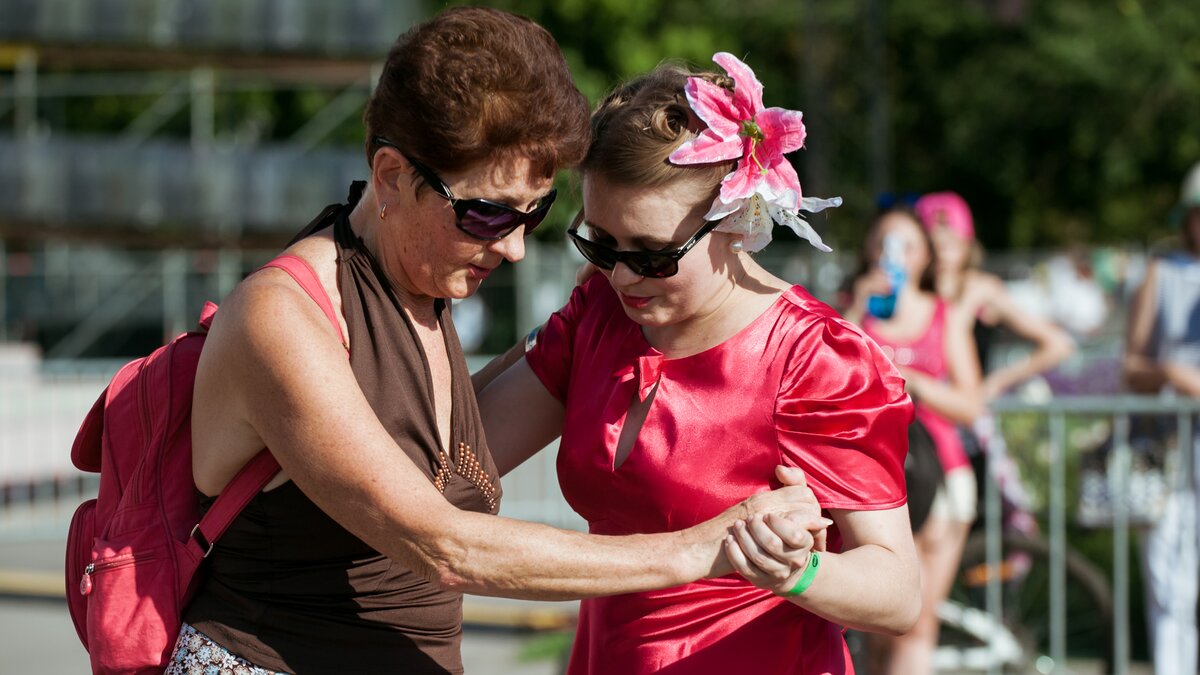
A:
(25, 94)
(174, 292)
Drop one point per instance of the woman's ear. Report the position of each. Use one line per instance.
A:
(391, 173)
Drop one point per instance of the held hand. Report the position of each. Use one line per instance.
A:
(794, 498)
(772, 551)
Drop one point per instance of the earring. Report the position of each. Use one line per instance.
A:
(737, 246)
(383, 212)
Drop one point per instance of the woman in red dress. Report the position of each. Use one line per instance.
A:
(685, 372)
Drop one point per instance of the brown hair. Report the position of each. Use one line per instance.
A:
(640, 123)
(473, 84)
(928, 280)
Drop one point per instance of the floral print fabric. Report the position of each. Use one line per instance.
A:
(196, 654)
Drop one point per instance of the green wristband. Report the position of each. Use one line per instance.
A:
(806, 579)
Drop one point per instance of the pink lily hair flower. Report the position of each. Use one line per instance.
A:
(763, 189)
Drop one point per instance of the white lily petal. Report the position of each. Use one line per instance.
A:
(799, 226)
(740, 221)
(760, 231)
(752, 221)
(817, 204)
(720, 209)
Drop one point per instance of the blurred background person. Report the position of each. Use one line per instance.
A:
(1162, 355)
(983, 297)
(930, 342)
(986, 303)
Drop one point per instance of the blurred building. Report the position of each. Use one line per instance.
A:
(127, 230)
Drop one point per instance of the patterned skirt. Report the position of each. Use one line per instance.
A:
(196, 654)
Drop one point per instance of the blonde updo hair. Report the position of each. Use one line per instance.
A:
(640, 123)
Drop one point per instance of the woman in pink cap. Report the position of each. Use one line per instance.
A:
(983, 295)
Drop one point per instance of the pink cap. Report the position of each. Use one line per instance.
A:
(946, 208)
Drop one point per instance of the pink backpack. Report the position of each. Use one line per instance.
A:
(134, 552)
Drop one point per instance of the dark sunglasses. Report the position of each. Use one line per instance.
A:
(480, 218)
(654, 264)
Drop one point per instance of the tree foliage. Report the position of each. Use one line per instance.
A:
(1062, 122)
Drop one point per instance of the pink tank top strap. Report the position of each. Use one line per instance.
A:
(303, 274)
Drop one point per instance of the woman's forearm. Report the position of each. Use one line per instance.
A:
(872, 586)
(1183, 377)
(944, 399)
(484, 376)
(868, 588)
(489, 555)
(1044, 358)
(486, 555)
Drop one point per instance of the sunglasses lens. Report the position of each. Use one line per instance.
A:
(600, 256)
(654, 266)
(487, 221)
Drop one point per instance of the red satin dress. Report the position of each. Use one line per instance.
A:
(797, 386)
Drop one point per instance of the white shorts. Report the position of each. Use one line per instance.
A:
(956, 498)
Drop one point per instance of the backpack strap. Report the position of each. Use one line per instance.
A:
(303, 274)
(245, 485)
(259, 471)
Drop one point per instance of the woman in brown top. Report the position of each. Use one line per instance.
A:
(354, 558)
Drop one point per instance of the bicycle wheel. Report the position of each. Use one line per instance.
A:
(1022, 643)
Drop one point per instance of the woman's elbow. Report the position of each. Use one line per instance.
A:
(970, 408)
(1061, 349)
(446, 578)
(906, 615)
(439, 560)
(903, 616)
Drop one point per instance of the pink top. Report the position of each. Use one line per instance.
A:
(927, 354)
(797, 386)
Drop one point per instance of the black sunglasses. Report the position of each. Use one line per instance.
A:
(480, 218)
(654, 264)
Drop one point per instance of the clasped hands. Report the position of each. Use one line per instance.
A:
(771, 549)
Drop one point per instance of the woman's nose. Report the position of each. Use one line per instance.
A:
(623, 276)
(511, 247)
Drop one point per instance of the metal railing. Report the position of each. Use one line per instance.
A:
(1056, 453)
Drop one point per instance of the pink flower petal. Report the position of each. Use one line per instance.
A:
(782, 178)
(713, 105)
(747, 90)
(706, 148)
(783, 130)
(740, 183)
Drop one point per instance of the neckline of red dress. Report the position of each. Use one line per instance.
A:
(649, 350)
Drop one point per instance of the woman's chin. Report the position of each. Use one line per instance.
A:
(461, 287)
(649, 317)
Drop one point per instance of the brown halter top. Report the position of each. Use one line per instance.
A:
(290, 589)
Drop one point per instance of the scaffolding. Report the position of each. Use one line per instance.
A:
(156, 215)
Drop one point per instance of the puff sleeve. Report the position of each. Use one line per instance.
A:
(842, 416)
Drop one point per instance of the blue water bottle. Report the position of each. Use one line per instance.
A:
(892, 263)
